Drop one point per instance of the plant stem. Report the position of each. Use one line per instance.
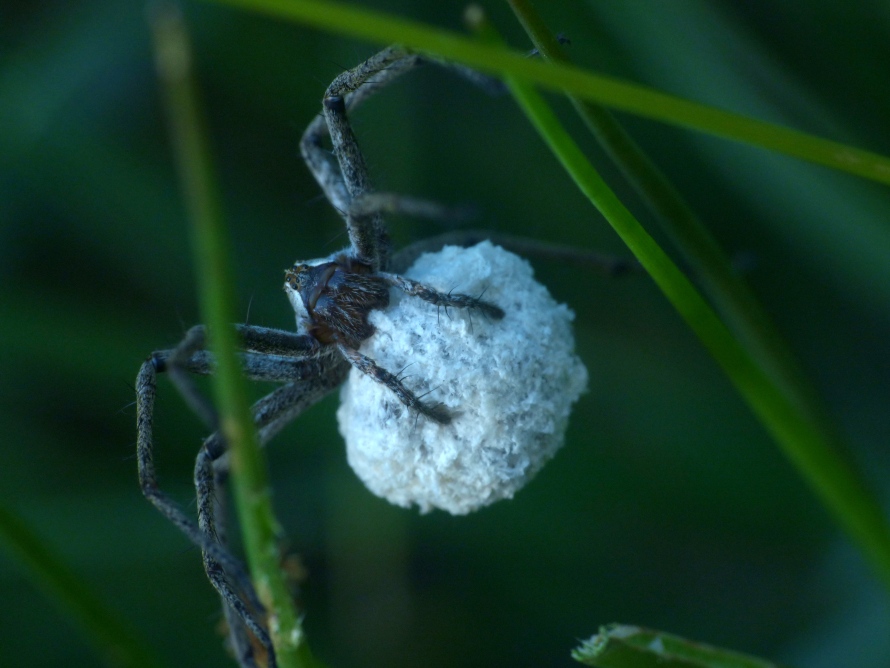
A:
(216, 294)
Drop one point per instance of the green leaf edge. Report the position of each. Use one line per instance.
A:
(621, 646)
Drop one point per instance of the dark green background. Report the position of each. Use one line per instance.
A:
(668, 507)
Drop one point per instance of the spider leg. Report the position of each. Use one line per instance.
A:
(233, 590)
(239, 641)
(378, 202)
(256, 366)
(369, 367)
(344, 176)
(271, 414)
(278, 408)
(146, 389)
(311, 378)
(437, 298)
(262, 339)
(274, 351)
(347, 177)
(175, 365)
(322, 163)
(252, 338)
(607, 264)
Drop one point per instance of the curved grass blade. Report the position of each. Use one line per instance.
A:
(711, 266)
(800, 436)
(385, 29)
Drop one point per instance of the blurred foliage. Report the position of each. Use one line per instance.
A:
(669, 506)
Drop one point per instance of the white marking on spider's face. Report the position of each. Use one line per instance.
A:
(296, 301)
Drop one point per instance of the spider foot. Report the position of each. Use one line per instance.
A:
(435, 412)
(487, 309)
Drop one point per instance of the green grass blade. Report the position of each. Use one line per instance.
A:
(383, 29)
(216, 296)
(738, 306)
(619, 646)
(707, 261)
(801, 438)
(111, 636)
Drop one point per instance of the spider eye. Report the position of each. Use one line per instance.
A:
(295, 277)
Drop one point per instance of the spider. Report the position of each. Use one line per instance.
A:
(332, 298)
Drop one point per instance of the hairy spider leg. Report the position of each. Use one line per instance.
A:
(279, 355)
(384, 202)
(436, 412)
(240, 643)
(428, 294)
(344, 176)
(348, 186)
(271, 414)
(213, 552)
(308, 380)
(608, 265)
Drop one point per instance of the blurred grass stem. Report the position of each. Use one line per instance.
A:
(216, 295)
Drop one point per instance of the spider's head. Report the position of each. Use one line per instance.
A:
(333, 298)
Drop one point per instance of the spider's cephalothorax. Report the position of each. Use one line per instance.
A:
(334, 299)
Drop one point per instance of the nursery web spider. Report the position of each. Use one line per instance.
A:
(332, 298)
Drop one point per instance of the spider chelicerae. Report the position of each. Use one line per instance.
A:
(333, 298)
